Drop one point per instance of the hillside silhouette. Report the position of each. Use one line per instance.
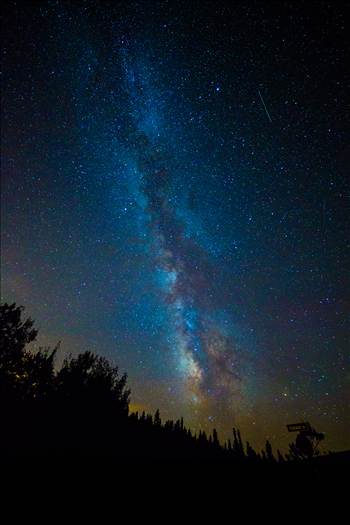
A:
(81, 411)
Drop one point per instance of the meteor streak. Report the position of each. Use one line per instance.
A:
(262, 100)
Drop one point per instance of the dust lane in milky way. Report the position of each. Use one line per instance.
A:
(205, 353)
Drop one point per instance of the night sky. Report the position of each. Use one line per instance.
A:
(175, 197)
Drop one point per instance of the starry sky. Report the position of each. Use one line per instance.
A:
(175, 197)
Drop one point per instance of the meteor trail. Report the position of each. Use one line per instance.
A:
(262, 100)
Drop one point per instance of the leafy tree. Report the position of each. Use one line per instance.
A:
(15, 334)
(93, 380)
(23, 374)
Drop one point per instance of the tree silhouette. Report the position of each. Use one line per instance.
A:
(157, 420)
(92, 379)
(15, 334)
(215, 439)
(269, 453)
(23, 375)
(82, 409)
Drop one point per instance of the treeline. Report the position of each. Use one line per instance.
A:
(82, 409)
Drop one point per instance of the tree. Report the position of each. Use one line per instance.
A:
(23, 374)
(215, 439)
(251, 454)
(92, 380)
(157, 420)
(84, 406)
(15, 334)
(237, 446)
(280, 457)
(269, 453)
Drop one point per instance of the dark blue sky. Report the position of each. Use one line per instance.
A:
(160, 211)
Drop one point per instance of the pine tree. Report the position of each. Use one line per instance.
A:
(269, 453)
(157, 420)
(215, 439)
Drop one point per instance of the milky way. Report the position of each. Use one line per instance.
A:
(204, 350)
